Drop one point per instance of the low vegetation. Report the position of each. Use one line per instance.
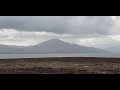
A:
(61, 65)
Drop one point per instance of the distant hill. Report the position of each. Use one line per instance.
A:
(49, 47)
(113, 49)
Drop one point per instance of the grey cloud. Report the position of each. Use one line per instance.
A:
(92, 25)
(80, 25)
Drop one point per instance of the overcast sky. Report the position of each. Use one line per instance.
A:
(93, 31)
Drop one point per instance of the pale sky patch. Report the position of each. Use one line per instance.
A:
(26, 38)
(113, 17)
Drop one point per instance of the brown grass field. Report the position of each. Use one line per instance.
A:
(60, 65)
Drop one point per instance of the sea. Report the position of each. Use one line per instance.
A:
(15, 56)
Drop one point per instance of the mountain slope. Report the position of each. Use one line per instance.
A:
(113, 49)
(51, 46)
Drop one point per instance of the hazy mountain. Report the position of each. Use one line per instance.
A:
(113, 49)
(51, 46)
(10, 49)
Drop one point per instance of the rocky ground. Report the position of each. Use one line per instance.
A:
(61, 65)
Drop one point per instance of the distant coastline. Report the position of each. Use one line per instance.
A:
(102, 55)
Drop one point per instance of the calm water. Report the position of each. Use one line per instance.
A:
(7, 56)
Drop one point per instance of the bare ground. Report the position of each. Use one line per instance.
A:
(61, 65)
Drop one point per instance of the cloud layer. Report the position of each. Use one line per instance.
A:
(97, 31)
(59, 24)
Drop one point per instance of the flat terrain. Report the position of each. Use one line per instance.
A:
(60, 65)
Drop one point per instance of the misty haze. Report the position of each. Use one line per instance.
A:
(60, 44)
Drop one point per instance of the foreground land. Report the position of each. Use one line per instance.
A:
(61, 65)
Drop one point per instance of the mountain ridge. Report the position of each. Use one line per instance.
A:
(50, 46)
